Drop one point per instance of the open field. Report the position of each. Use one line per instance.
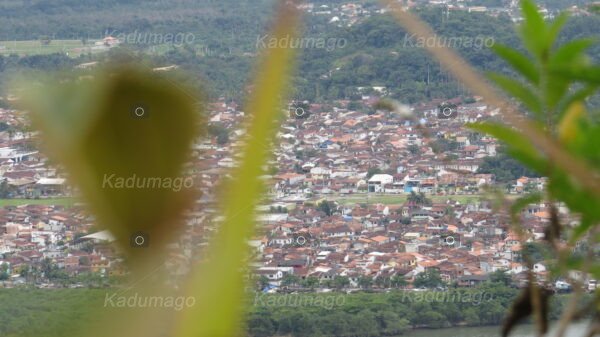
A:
(67, 202)
(396, 199)
(73, 48)
(48, 312)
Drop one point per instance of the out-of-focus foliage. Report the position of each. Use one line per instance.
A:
(555, 81)
(504, 167)
(219, 283)
(129, 166)
(95, 128)
(90, 126)
(555, 84)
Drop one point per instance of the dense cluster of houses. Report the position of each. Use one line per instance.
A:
(464, 243)
(23, 170)
(350, 13)
(329, 173)
(351, 160)
(36, 238)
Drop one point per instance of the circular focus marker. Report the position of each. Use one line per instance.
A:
(449, 240)
(301, 240)
(139, 111)
(299, 112)
(447, 112)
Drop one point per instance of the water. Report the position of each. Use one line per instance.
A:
(575, 330)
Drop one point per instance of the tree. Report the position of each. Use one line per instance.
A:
(221, 133)
(340, 282)
(310, 282)
(471, 316)
(443, 145)
(365, 324)
(354, 106)
(428, 279)
(222, 138)
(433, 319)
(263, 282)
(413, 149)
(392, 324)
(336, 322)
(504, 168)
(290, 280)
(261, 325)
(373, 171)
(4, 275)
(381, 282)
(326, 207)
(500, 276)
(419, 199)
(398, 281)
(536, 251)
(4, 189)
(365, 282)
(46, 267)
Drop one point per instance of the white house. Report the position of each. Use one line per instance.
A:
(378, 182)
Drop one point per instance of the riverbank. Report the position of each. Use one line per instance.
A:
(64, 312)
(526, 330)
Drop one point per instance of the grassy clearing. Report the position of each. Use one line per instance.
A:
(74, 48)
(48, 313)
(401, 198)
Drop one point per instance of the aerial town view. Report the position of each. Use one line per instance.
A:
(384, 196)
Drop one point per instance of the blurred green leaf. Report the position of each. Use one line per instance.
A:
(569, 52)
(588, 74)
(520, 62)
(577, 95)
(555, 28)
(578, 198)
(519, 146)
(519, 91)
(523, 201)
(90, 126)
(533, 29)
(569, 124)
(219, 283)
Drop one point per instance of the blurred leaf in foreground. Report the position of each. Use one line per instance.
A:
(218, 285)
(123, 136)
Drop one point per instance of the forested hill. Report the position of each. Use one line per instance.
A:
(62, 19)
(380, 53)
(374, 52)
(66, 19)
